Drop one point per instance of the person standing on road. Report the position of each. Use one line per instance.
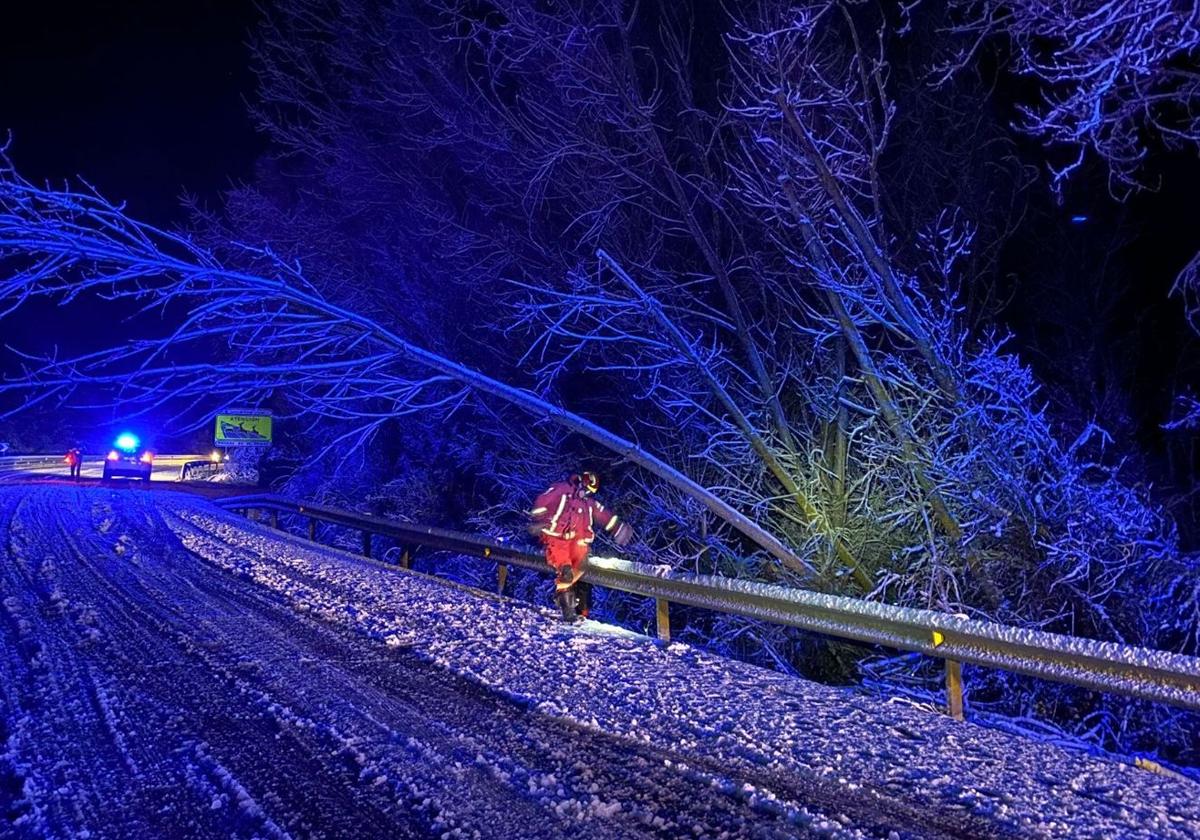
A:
(74, 459)
(565, 516)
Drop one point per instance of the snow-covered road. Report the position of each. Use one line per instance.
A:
(166, 468)
(169, 670)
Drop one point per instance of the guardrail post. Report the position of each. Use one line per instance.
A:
(954, 683)
(274, 519)
(501, 577)
(312, 528)
(406, 553)
(366, 543)
(954, 689)
(662, 613)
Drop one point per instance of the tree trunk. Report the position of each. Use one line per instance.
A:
(812, 516)
(840, 450)
(909, 445)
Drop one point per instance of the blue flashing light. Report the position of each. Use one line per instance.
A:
(1078, 220)
(127, 441)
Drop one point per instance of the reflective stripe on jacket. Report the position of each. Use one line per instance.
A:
(567, 512)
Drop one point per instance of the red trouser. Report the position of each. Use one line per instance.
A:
(561, 553)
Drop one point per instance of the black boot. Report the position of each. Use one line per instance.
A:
(566, 602)
(583, 597)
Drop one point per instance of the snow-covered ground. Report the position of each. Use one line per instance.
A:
(167, 669)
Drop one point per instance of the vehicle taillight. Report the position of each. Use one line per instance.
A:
(147, 457)
(113, 456)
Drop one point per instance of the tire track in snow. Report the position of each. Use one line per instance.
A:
(157, 643)
(56, 749)
(78, 757)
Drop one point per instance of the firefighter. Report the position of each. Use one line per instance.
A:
(565, 516)
(74, 460)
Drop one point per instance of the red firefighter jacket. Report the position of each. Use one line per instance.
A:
(565, 511)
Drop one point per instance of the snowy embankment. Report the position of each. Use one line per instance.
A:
(171, 669)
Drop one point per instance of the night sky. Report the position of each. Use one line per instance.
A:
(145, 100)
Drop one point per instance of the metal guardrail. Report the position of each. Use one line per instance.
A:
(199, 468)
(1154, 675)
(18, 461)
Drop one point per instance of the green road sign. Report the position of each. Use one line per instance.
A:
(242, 430)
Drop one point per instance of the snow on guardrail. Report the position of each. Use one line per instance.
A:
(1105, 666)
(15, 461)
